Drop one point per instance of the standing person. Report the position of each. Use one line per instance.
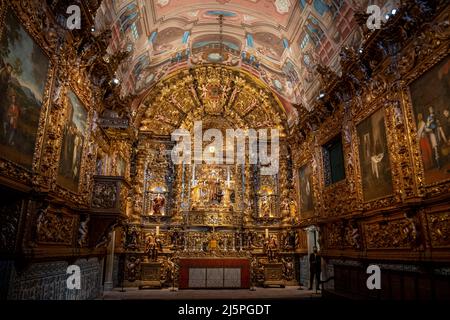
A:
(446, 123)
(318, 269)
(13, 118)
(6, 72)
(315, 269)
(431, 129)
(425, 146)
(76, 154)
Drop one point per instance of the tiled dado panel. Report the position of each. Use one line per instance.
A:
(48, 281)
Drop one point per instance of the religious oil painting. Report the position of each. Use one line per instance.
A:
(73, 140)
(374, 157)
(430, 96)
(306, 189)
(23, 74)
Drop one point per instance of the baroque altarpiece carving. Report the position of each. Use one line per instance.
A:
(394, 144)
(80, 160)
(205, 209)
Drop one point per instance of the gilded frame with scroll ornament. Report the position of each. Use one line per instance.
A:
(80, 193)
(416, 60)
(429, 124)
(394, 196)
(26, 174)
(302, 157)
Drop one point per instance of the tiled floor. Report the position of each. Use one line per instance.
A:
(288, 293)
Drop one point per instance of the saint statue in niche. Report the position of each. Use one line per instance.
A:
(152, 247)
(158, 204)
(228, 195)
(215, 192)
(196, 194)
(285, 207)
(271, 247)
(266, 207)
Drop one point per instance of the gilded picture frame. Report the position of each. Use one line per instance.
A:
(71, 164)
(374, 156)
(429, 137)
(16, 170)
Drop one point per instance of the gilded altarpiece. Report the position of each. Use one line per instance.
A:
(217, 210)
(352, 222)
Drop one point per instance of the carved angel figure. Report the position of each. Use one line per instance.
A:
(288, 269)
(83, 232)
(132, 266)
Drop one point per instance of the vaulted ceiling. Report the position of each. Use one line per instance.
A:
(278, 41)
(218, 96)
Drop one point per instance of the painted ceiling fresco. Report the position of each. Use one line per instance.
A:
(279, 41)
(275, 11)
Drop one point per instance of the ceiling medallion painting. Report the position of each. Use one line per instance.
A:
(282, 6)
(207, 93)
(162, 3)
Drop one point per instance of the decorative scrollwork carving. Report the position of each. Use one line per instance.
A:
(439, 226)
(9, 224)
(83, 232)
(397, 234)
(104, 195)
(132, 268)
(54, 227)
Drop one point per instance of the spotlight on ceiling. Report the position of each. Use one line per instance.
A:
(116, 81)
(92, 29)
(360, 50)
(321, 95)
(387, 16)
(394, 11)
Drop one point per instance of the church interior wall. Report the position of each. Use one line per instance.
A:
(89, 172)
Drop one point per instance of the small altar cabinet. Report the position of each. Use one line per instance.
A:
(273, 274)
(150, 275)
(214, 273)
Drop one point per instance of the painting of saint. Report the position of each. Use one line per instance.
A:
(430, 96)
(23, 74)
(374, 157)
(306, 190)
(158, 204)
(73, 141)
(265, 207)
